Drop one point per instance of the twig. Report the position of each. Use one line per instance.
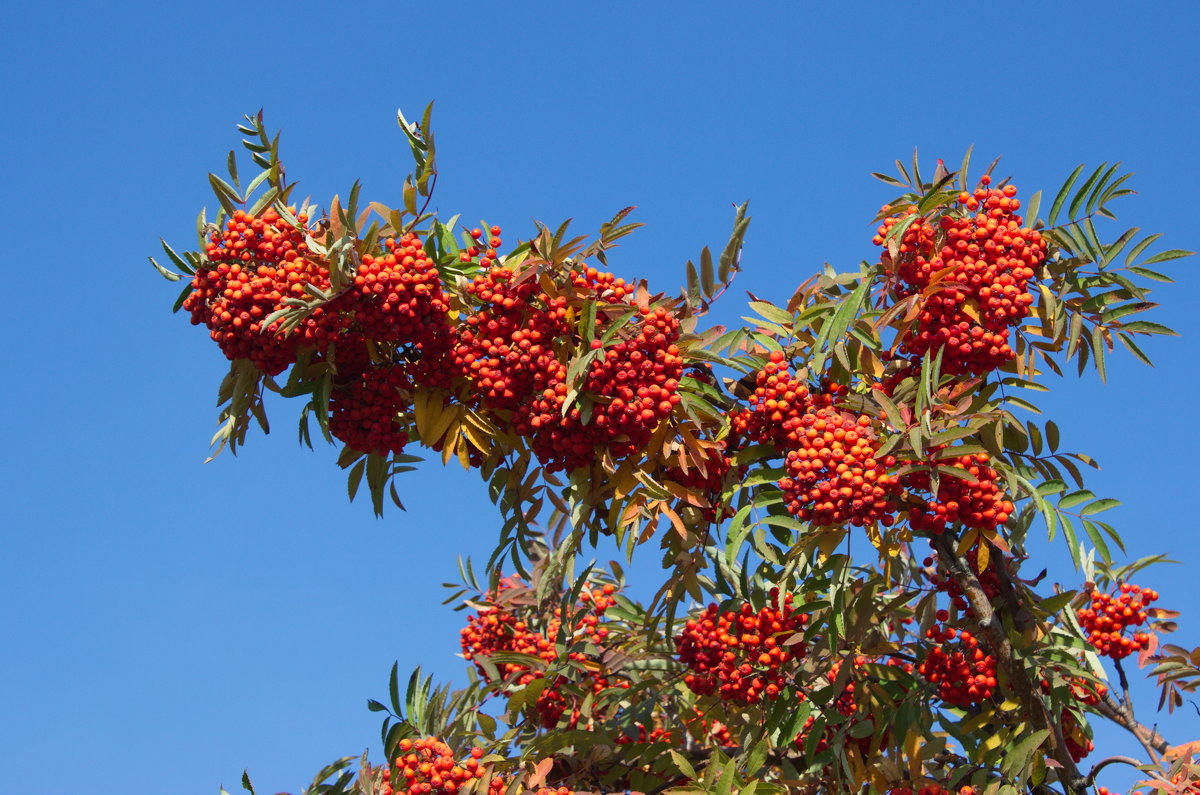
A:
(1112, 760)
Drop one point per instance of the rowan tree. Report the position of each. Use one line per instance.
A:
(874, 403)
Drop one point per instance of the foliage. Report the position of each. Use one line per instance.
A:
(879, 403)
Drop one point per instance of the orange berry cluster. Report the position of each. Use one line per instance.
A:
(742, 654)
(253, 265)
(964, 673)
(489, 255)
(980, 273)
(365, 414)
(428, 766)
(713, 731)
(1085, 693)
(398, 297)
(779, 400)
(933, 789)
(834, 477)
(1075, 738)
(978, 502)
(1109, 615)
(633, 386)
(496, 628)
(507, 347)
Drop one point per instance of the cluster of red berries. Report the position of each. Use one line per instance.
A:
(497, 628)
(963, 673)
(398, 297)
(977, 502)
(741, 654)
(254, 264)
(428, 766)
(1075, 739)
(366, 413)
(979, 267)
(633, 386)
(933, 789)
(489, 254)
(834, 477)
(513, 351)
(714, 732)
(1108, 616)
(779, 400)
(507, 347)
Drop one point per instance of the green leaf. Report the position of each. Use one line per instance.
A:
(683, 765)
(1062, 195)
(1075, 498)
(1031, 209)
(1093, 533)
(773, 313)
(1175, 253)
(1082, 193)
(1146, 327)
(166, 274)
(693, 284)
(889, 409)
(1149, 274)
(1051, 487)
(394, 689)
(1099, 506)
(706, 273)
(1140, 247)
(1098, 350)
(1053, 604)
(1128, 342)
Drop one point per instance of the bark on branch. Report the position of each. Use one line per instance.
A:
(1018, 678)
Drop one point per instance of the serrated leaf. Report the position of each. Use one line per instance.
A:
(1075, 498)
(1099, 506)
(1175, 253)
(773, 313)
(1063, 192)
(1146, 327)
(1082, 193)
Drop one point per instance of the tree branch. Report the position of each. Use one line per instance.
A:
(1000, 646)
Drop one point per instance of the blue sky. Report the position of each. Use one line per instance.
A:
(168, 623)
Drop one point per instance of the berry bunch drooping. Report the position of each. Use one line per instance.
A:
(631, 386)
(975, 501)
(503, 626)
(253, 265)
(506, 349)
(779, 399)
(367, 413)
(963, 672)
(428, 766)
(834, 476)
(972, 274)
(1108, 615)
(397, 296)
(742, 655)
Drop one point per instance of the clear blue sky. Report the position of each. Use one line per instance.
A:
(167, 623)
